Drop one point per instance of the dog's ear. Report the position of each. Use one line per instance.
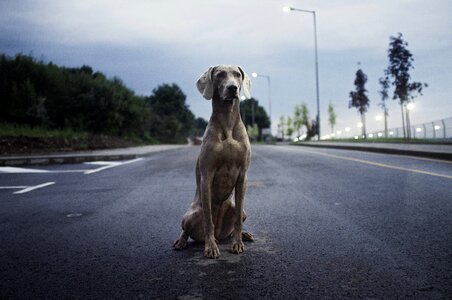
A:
(246, 83)
(205, 84)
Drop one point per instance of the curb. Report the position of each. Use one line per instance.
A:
(40, 160)
(427, 154)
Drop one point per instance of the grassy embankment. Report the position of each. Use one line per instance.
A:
(25, 139)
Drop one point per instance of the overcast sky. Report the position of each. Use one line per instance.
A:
(150, 42)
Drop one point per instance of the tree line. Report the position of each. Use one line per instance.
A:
(396, 75)
(36, 93)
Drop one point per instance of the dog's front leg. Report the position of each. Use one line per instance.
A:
(211, 248)
(240, 189)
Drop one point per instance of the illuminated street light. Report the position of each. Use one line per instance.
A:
(289, 9)
(410, 106)
(437, 127)
(286, 9)
(378, 118)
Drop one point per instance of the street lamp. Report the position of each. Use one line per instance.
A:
(288, 9)
(255, 75)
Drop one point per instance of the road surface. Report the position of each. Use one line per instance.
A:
(329, 224)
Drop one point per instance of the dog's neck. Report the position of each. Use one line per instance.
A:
(226, 114)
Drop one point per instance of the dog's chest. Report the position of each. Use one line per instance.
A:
(232, 152)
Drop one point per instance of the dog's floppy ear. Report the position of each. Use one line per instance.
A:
(246, 83)
(205, 84)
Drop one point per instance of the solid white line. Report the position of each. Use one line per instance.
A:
(31, 188)
(110, 165)
(12, 187)
(20, 170)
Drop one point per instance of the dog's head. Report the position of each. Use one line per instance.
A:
(224, 82)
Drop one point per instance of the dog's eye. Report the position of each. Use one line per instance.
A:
(237, 74)
(221, 74)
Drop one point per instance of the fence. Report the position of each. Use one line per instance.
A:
(441, 129)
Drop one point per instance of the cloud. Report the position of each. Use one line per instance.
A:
(148, 42)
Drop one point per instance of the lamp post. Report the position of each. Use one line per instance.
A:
(289, 9)
(255, 75)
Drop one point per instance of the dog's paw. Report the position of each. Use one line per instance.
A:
(247, 236)
(211, 250)
(180, 244)
(237, 247)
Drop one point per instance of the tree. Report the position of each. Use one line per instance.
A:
(359, 99)
(173, 121)
(331, 117)
(253, 132)
(384, 83)
(400, 62)
(260, 115)
(297, 122)
(282, 126)
(289, 127)
(201, 125)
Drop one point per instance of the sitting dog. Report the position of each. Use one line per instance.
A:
(216, 212)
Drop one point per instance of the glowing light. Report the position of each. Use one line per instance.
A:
(391, 132)
(378, 118)
(437, 127)
(347, 129)
(371, 135)
(286, 9)
(380, 134)
(254, 74)
(418, 129)
(410, 106)
(359, 124)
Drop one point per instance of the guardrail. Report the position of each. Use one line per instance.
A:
(441, 129)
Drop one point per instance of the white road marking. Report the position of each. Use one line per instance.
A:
(20, 170)
(108, 165)
(12, 187)
(26, 189)
(104, 165)
(378, 164)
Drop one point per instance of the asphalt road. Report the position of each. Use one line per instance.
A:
(329, 224)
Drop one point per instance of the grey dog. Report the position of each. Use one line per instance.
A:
(216, 212)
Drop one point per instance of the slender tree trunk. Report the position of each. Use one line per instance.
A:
(403, 121)
(386, 123)
(408, 123)
(363, 121)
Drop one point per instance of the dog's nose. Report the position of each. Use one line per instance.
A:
(232, 88)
